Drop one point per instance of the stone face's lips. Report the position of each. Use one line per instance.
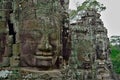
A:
(44, 57)
(43, 53)
(43, 61)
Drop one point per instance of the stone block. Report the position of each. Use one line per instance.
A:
(7, 51)
(14, 61)
(16, 49)
(5, 62)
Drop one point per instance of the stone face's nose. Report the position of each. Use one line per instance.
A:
(44, 45)
(44, 55)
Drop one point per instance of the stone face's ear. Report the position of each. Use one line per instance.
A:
(5, 62)
(5, 45)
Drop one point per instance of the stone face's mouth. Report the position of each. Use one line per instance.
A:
(41, 53)
(44, 59)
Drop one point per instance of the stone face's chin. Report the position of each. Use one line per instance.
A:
(43, 63)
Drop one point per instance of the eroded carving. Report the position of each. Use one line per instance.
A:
(40, 34)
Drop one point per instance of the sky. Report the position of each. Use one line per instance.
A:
(110, 17)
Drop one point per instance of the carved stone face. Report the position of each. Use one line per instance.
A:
(40, 43)
(100, 50)
(39, 33)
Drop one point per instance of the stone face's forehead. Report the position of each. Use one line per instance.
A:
(37, 29)
(38, 9)
(42, 24)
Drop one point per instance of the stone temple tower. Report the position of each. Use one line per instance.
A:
(90, 47)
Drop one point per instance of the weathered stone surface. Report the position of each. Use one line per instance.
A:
(2, 38)
(5, 44)
(5, 62)
(41, 75)
(15, 49)
(34, 21)
(15, 61)
(40, 29)
(37, 42)
(90, 47)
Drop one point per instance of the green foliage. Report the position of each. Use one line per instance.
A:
(91, 4)
(88, 5)
(115, 56)
(114, 52)
(73, 13)
(115, 40)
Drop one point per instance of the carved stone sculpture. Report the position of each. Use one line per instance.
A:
(5, 37)
(90, 47)
(40, 45)
(40, 33)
